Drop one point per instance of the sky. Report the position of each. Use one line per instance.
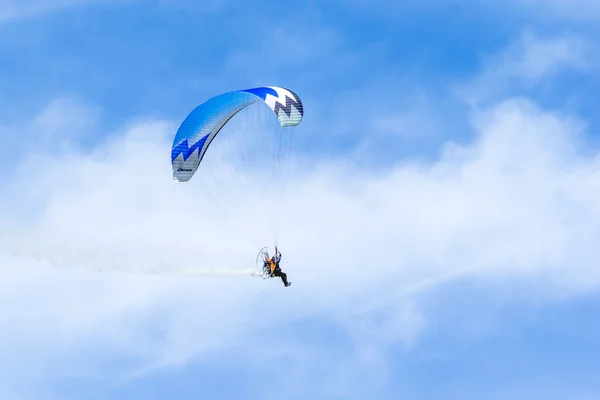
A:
(440, 219)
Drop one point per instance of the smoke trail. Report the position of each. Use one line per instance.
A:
(207, 272)
(90, 264)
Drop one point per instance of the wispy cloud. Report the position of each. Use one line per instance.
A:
(519, 203)
(17, 10)
(570, 10)
(531, 61)
(98, 247)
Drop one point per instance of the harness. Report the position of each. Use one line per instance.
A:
(271, 264)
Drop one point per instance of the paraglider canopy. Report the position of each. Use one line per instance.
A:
(202, 125)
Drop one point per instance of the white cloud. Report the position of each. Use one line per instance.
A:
(519, 203)
(529, 62)
(11, 10)
(291, 46)
(573, 10)
(18, 10)
(206, 6)
(540, 10)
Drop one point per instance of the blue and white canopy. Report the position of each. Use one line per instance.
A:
(202, 125)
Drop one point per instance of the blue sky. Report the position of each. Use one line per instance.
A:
(446, 178)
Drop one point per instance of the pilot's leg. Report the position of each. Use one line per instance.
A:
(282, 275)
